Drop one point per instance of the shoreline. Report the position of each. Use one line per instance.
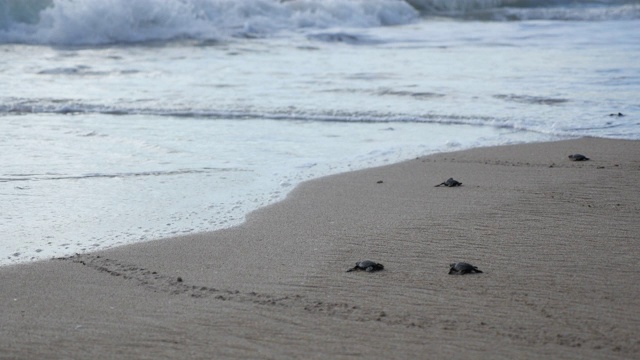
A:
(225, 204)
(554, 238)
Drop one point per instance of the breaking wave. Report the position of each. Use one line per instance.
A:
(70, 22)
(96, 22)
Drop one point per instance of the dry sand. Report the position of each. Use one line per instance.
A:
(558, 242)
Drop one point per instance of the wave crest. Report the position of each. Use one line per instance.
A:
(97, 22)
(93, 22)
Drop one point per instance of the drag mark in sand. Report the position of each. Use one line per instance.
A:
(156, 282)
(544, 331)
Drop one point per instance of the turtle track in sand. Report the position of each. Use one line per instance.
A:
(162, 283)
(428, 323)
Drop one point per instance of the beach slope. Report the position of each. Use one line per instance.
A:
(558, 243)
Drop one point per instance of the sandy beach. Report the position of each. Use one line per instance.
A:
(558, 243)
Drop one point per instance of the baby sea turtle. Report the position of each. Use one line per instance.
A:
(462, 268)
(450, 183)
(578, 157)
(367, 265)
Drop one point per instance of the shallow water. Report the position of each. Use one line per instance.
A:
(169, 129)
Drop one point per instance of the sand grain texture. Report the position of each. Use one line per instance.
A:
(557, 240)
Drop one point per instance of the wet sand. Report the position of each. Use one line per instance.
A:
(558, 241)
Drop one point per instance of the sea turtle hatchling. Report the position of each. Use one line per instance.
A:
(450, 183)
(578, 157)
(367, 265)
(462, 268)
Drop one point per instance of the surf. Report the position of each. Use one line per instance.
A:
(105, 22)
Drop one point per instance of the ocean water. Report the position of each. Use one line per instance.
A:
(125, 121)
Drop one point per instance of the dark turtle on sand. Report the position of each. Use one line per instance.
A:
(578, 157)
(462, 268)
(367, 265)
(450, 183)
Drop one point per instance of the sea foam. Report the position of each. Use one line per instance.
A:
(90, 22)
(99, 22)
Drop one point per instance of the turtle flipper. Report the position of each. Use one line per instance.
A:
(476, 270)
(369, 269)
(353, 269)
(450, 183)
(452, 270)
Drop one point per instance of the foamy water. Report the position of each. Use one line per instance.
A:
(129, 121)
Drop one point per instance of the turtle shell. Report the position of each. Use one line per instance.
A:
(462, 268)
(367, 265)
(450, 183)
(578, 157)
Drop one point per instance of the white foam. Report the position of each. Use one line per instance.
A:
(108, 145)
(95, 22)
(152, 177)
(125, 21)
